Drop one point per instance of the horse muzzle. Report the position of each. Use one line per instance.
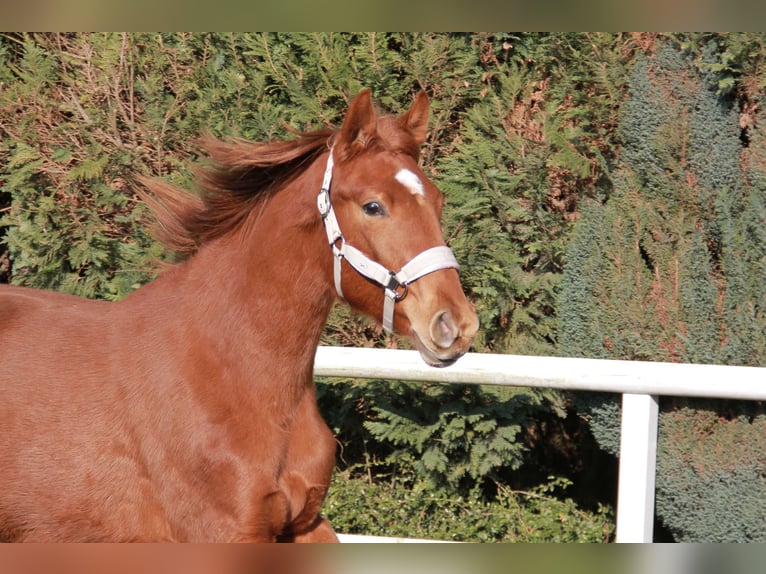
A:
(447, 338)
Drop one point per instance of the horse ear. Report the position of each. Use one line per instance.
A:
(359, 125)
(415, 120)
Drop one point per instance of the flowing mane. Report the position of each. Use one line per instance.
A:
(239, 177)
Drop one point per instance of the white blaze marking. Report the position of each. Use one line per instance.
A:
(410, 181)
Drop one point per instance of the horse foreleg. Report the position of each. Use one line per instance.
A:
(307, 474)
(320, 532)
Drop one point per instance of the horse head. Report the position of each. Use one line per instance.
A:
(382, 217)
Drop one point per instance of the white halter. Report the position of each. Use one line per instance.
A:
(394, 284)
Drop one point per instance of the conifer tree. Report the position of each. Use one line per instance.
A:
(671, 268)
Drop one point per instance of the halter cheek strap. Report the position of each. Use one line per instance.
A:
(394, 283)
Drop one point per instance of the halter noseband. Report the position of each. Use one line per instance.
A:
(394, 283)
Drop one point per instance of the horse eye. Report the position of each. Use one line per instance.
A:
(374, 209)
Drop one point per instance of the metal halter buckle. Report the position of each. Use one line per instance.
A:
(393, 287)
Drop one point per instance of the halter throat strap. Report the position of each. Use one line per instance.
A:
(394, 284)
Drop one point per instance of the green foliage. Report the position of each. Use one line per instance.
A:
(454, 435)
(670, 268)
(70, 225)
(526, 154)
(716, 493)
(457, 438)
(741, 222)
(736, 62)
(410, 508)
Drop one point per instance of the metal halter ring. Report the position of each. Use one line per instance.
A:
(394, 285)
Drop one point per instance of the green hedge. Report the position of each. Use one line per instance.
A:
(411, 509)
(672, 268)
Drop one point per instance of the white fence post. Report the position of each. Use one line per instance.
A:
(638, 463)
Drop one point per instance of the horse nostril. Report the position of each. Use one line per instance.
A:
(443, 330)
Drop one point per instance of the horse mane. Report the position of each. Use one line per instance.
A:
(239, 176)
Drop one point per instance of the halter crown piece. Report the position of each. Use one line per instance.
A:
(394, 283)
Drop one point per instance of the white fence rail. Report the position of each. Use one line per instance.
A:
(639, 382)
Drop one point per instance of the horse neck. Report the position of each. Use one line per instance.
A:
(263, 293)
(288, 266)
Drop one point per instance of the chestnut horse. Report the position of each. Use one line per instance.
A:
(187, 411)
